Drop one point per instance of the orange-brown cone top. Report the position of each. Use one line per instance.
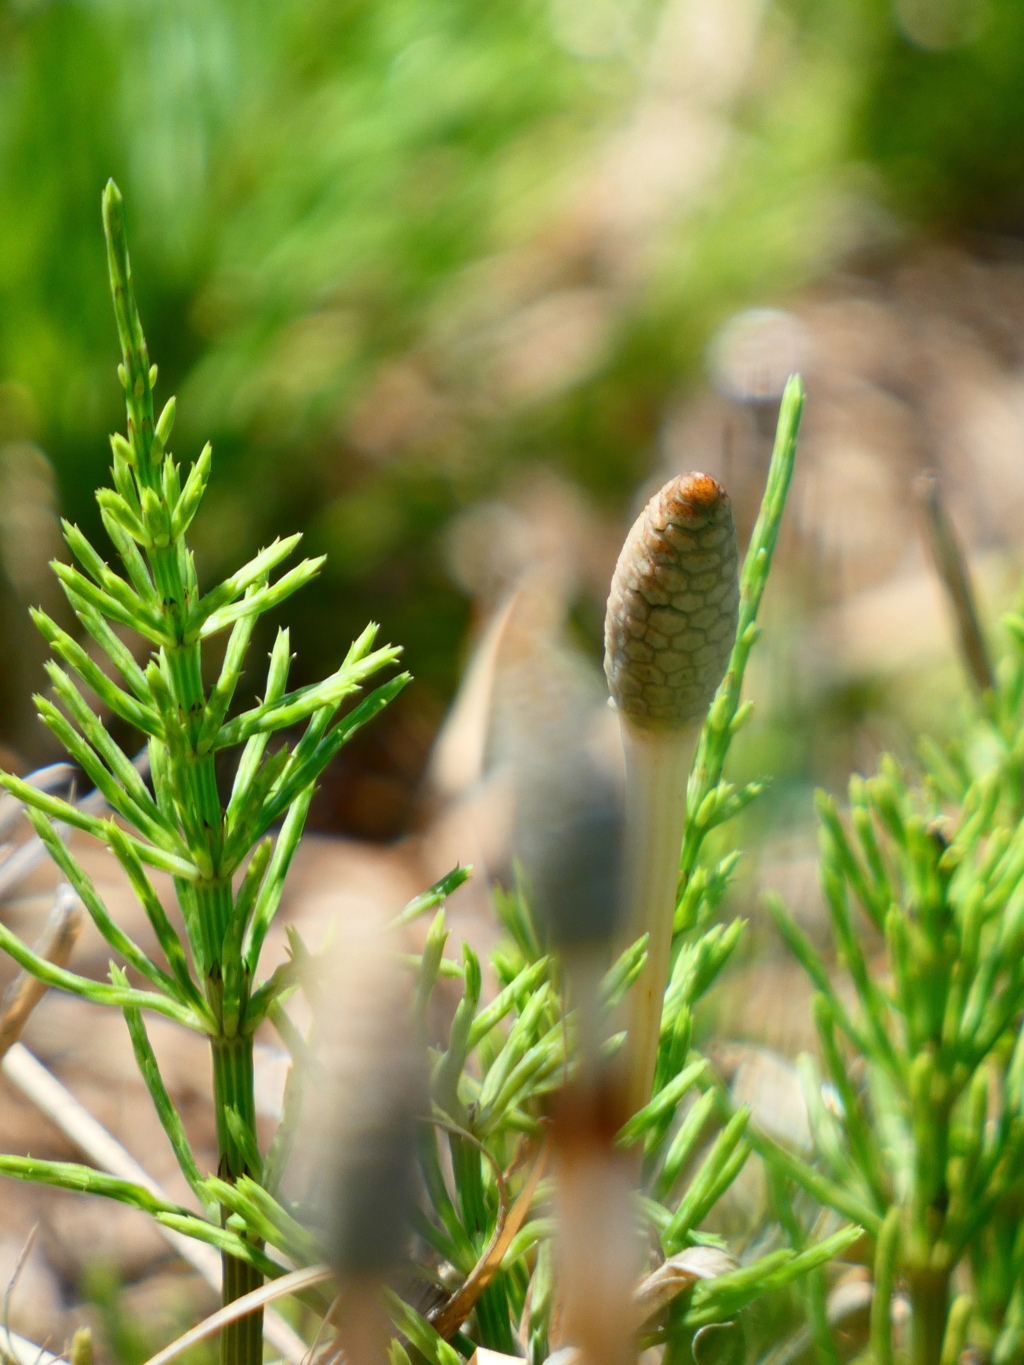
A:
(672, 608)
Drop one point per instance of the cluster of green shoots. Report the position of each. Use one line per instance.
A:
(923, 1140)
(483, 1222)
(919, 1137)
(228, 857)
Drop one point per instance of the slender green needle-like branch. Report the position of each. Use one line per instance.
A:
(179, 824)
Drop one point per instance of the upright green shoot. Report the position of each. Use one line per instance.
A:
(227, 863)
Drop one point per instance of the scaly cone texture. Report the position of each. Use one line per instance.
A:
(673, 605)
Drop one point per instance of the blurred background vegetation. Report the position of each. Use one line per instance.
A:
(412, 263)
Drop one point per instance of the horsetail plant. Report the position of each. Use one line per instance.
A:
(670, 635)
(923, 1057)
(669, 630)
(477, 1268)
(182, 825)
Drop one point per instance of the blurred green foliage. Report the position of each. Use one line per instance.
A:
(353, 222)
(305, 181)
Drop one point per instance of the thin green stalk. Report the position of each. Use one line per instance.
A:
(233, 1088)
(886, 1252)
(929, 1306)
